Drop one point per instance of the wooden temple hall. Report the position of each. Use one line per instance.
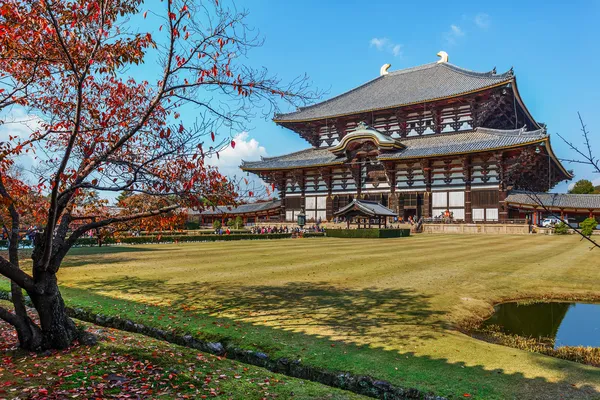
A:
(425, 141)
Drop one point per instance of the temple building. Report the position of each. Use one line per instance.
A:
(422, 141)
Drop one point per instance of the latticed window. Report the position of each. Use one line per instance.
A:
(484, 198)
(293, 203)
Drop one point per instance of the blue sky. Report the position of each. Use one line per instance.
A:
(552, 45)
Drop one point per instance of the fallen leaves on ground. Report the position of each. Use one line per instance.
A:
(114, 369)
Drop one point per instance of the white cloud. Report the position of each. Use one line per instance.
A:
(230, 158)
(454, 34)
(385, 44)
(378, 43)
(482, 20)
(456, 30)
(247, 149)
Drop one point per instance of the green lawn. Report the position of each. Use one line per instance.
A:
(383, 307)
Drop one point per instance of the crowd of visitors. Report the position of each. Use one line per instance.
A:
(259, 230)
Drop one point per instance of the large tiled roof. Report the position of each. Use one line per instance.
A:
(303, 158)
(555, 200)
(408, 86)
(371, 208)
(479, 139)
(242, 208)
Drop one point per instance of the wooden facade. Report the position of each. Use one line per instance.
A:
(459, 154)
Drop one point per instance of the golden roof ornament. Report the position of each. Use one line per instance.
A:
(384, 69)
(443, 57)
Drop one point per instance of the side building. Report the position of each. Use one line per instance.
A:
(421, 141)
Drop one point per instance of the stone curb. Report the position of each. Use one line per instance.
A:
(360, 384)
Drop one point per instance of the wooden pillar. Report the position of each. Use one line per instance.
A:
(301, 179)
(427, 174)
(327, 176)
(502, 192)
(281, 183)
(356, 170)
(468, 179)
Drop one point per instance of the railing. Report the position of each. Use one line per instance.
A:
(515, 221)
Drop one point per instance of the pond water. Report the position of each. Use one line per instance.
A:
(570, 324)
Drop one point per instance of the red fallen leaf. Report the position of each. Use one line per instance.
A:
(43, 392)
(466, 395)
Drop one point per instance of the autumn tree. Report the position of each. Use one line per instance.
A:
(72, 65)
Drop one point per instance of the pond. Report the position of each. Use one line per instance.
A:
(570, 324)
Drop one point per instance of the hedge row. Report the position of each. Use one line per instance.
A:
(171, 239)
(368, 233)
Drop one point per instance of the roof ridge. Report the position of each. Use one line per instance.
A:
(411, 69)
(509, 132)
(277, 116)
(469, 72)
(553, 194)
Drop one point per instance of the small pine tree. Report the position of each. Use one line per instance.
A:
(588, 226)
(561, 228)
(231, 222)
(216, 224)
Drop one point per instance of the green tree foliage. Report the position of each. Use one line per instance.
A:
(583, 186)
(239, 222)
(588, 226)
(561, 228)
(217, 224)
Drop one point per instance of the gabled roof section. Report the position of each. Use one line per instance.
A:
(415, 85)
(370, 208)
(364, 132)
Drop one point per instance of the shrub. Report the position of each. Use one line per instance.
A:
(192, 225)
(561, 228)
(216, 224)
(588, 226)
(367, 233)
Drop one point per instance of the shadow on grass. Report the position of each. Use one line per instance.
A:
(351, 312)
(80, 256)
(354, 314)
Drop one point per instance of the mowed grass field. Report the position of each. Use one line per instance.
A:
(388, 308)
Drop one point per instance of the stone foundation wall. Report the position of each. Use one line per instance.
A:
(493, 229)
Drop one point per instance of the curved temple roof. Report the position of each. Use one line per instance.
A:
(554, 200)
(371, 208)
(241, 209)
(399, 88)
(479, 139)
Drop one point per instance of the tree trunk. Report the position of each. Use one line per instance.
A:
(29, 334)
(57, 329)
